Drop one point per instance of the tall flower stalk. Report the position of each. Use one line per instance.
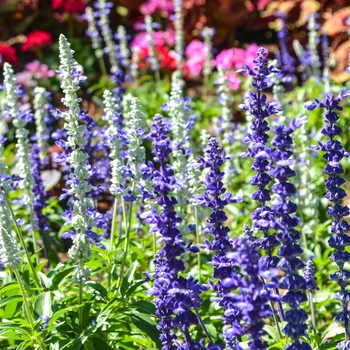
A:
(260, 109)
(215, 198)
(177, 298)
(334, 153)
(80, 217)
(20, 120)
(286, 222)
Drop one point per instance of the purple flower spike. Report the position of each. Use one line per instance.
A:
(287, 234)
(334, 153)
(176, 296)
(263, 217)
(251, 305)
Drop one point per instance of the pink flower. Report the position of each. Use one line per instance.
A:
(225, 59)
(151, 6)
(233, 80)
(196, 52)
(231, 58)
(33, 70)
(160, 38)
(39, 71)
(25, 79)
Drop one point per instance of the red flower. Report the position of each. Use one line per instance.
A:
(167, 58)
(36, 38)
(8, 54)
(69, 5)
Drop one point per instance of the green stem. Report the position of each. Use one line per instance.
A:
(203, 326)
(313, 317)
(81, 290)
(102, 66)
(111, 239)
(35, 275)
(198, 232)
(276, 322)
(27, 307)
(154, 245)
(127, 237)
(35, 245)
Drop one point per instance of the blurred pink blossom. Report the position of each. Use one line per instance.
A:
(151, 6)
(160, 37)
(231, 58)
(33, 70)
(232, 80)
(39, 71)
(196, 52)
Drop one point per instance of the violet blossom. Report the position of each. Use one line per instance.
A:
(334, 153)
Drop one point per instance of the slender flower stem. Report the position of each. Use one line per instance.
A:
(111, 238)
(198, 233)
(81, 291)
(35, 275)
(27, 307)
(203, 326)
(35, 245)
(102, 66)
(127, 237)
(312, 306)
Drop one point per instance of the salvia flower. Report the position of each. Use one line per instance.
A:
(20, 120)
(180, 114)
(40, 196)
(113, 138)
(215, 198)
(208, 34)
(176, 296)
(41, 105)
(260, 109)
(123, 46)
(135, 59)
(9, 252)
(314, 39)
(251, 305)
(179, 34)
(93, 33)
(287, 61)
(80, 217)
(334, 153)
(103, 8)
(286, 222)
(151, 45)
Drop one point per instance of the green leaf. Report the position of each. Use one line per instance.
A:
(143, 323)
(128, 277)
(9, 287)
(59, 277)
(100, 344)
(9, 299)
(24, 345)
(42, 304)
(98, 288)
(272, 332)
(133, 288)
(45, 281)
(79, 341)
(144, 306)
